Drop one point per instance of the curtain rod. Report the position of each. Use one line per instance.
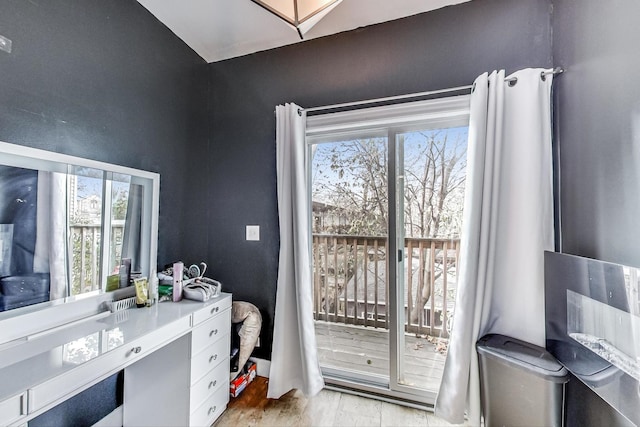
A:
(388, 98)
(556, 70)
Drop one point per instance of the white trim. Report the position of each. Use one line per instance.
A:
(44, 157)
(438, 112)
(114, 419)
(262, 366)
(380, 394)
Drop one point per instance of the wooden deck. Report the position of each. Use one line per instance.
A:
(360, 349)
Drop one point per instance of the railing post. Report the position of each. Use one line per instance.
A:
(445, 269)
(375, 290)
(316, 277)
(365, 280)
(408, 261)
(355, 281)
(336, 287)
(345, 260)
(432, 284)
(325, 300)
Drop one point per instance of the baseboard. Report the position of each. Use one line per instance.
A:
(262, 366)
(114, 419)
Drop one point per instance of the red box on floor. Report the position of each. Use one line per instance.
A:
(242, 380)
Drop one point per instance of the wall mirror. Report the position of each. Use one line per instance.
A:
(71, 228)
(592, 326)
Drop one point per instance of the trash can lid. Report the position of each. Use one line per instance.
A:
(522, 353)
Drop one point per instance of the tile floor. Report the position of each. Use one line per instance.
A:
(328, 408)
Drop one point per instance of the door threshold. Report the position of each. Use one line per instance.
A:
(377, 392)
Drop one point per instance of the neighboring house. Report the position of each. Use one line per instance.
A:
(328, 218)
(89, 208)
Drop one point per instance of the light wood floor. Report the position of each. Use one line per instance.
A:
(328, 408)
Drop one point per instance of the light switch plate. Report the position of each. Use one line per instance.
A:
(253, 232)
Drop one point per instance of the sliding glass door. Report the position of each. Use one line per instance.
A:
(386, 203)
(429, 192)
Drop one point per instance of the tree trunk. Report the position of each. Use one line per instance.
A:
(424, 291)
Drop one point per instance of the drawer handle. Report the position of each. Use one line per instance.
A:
(136, 350)
(214, 310)
(213, 332)
(213, 383)
(213, 357)
(212, 409)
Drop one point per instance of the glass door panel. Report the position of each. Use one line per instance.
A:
(430, 177)
(350, 239)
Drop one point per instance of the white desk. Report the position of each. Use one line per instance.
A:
(175, 357)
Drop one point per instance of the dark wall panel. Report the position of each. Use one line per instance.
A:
(103, 79)
(598, 132)
(444, 48)
(598, 116)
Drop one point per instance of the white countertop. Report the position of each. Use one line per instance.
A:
(29, 361)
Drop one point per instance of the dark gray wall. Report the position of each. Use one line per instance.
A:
(445, 48)
(597, 104)
(103, 79)
(598, 111)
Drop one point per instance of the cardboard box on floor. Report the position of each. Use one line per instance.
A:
(240, 382)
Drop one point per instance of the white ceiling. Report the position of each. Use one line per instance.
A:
(222, 29)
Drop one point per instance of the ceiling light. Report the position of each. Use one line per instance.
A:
(301, 14)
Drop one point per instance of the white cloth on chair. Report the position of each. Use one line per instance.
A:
(249, 332)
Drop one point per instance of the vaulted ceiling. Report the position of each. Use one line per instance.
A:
(223, 29)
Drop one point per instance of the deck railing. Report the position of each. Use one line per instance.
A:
(350, 278)
(84, 255)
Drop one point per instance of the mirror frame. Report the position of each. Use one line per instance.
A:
(20, 323)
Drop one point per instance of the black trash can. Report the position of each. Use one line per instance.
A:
(520, 384)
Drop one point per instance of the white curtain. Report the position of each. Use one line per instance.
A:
(50, 255)
(132, 236)
(294, 360)
(507, 224)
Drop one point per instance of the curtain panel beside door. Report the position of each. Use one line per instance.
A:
(294, 361)
(507, 226)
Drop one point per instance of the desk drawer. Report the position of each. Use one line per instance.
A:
(207, 385)
(13, 408)
(209, 358)
(211, 409)
(211, 310)
(209, 332)
(59, 387)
